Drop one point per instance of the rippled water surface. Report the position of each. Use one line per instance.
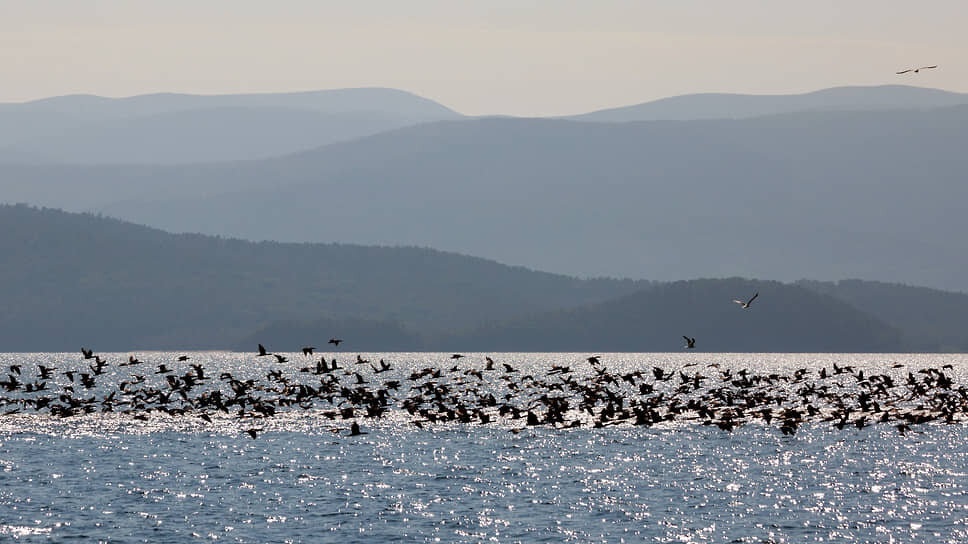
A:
(178, 478)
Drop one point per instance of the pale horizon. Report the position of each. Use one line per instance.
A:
(539, 58)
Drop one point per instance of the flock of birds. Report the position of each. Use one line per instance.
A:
(584, 393)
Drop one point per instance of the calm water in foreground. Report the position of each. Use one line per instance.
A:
(113, 477)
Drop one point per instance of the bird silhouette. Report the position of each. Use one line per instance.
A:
(335, 341)
(262, 351)
(132, 360)
(916, 70)
(746, 304)
(308, 350)
(690, 342)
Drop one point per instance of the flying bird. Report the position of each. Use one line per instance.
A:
(747, 303)
(308, 350)
(916, 70)
(690, 342)
(335, 341)
(262, 351)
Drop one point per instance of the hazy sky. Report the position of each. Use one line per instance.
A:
(519, 57)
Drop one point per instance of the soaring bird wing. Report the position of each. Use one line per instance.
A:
(750, 301)
(904, 71)
(927, 67)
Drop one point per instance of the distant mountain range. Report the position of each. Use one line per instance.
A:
(864, 182)
(823, 195)
(168, 128)
(74, 280)
(739, 106)
(180, 128)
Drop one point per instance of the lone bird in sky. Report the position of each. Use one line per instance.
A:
(916, 70)
(690, 342)
(335, 341)
(747, 303)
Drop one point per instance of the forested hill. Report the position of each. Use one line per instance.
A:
(72, 280)
(929, 319)
(75, 279)
(783, 318)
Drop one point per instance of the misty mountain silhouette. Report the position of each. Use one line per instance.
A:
(179, 128)
(737, 106)
(817, 194)
(78, 279)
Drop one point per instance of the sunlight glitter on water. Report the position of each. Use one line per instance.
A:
(171, 478)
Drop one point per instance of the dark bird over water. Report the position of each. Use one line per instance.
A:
(262, 351)
(747, 303)
(335, 341)
(916, 70)
(308, 350)
(690, 342)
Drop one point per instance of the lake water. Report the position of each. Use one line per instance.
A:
(156, 476)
